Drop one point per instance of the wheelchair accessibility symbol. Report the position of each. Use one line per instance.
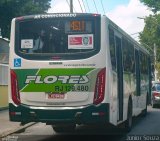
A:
(17, 62)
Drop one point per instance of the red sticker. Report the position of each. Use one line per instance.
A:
(80, 41)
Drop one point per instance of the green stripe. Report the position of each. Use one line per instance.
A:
(22, 75)
(32, 87)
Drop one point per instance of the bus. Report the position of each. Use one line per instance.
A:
(67, 69)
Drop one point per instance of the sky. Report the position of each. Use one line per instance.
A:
(124, 13)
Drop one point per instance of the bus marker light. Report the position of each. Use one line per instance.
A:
(12, 113)
(98, 114)
(15, 113)
(101, 113)
(95, 114)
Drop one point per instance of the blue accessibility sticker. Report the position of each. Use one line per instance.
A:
(17, 62)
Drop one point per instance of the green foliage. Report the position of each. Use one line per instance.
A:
(153, 4)
(150, 36)
(151, 33)
(157, 67)
(15, 8)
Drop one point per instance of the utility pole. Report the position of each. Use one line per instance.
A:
(0, 33)
(71, 6)
(155, 60)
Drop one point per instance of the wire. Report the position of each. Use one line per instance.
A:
(74, 8)
(84, 6)
(95, 6)
(69, 5)
(103, 7)
(88, 6)
(80, 6)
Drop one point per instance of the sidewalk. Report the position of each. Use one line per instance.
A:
(7, 127)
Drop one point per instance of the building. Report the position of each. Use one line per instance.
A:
(4, 60)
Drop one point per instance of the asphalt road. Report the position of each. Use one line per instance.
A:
(143, 127)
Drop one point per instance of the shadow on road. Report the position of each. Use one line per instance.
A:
(83, 133)
(102, 132)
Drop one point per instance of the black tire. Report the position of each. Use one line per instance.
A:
(153, 105)
(128, 123)
(144, 112)
(64, 128)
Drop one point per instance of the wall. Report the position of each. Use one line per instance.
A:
(4, 57)
(3, 97)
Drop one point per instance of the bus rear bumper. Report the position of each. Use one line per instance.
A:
(78, 115)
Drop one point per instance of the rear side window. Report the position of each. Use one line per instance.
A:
(128, 56)
(112, 48)
(64, 38)
(143, 63)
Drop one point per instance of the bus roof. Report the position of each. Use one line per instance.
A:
(56, 15)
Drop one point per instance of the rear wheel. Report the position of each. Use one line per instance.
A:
(152, 103)
(128, 123)
(144, 113)
(64, 128)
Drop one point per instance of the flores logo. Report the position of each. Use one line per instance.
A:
(53, 79)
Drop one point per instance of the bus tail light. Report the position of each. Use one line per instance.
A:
(100, 87)
(14, 88)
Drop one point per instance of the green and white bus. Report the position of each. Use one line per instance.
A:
(70, 69)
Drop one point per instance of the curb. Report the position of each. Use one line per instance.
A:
(17, 129)
(3, 108)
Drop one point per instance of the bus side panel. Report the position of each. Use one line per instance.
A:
(111, 78)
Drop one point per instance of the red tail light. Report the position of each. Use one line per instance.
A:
(14, 88)
(100, 87)
(156, 94)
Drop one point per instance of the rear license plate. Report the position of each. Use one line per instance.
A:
(56, 96)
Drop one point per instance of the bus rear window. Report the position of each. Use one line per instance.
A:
(66, 38)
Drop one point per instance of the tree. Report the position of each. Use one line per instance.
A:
(15, 8)
(151, 32)
(153, 4)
